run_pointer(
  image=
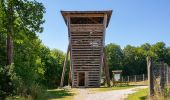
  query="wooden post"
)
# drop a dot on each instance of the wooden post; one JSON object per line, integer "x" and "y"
{"x": 167, "y": 71}
{"x": 70, "y": 78}
{"x": 64, "y": 67}
{"x": 70, "y": 72}
{"x": 128, "y": 78}
{"x": 135, "y": 78}
{"x": 150, "y": 76}
{"x": 122, "y": 78}
{"x": 143, "y": 77}
{"x": 162, "y": 80}
{"x": 167, "y": 74}
{"x": 106, "y": 71}
{"x": 106, "y": 68}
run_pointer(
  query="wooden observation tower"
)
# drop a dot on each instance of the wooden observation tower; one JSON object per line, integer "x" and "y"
{"x": 86, "y": 31}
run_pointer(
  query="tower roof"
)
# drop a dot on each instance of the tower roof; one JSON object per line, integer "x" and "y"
{"x": 87, "y": 14}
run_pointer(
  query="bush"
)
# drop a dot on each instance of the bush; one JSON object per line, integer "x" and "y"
{"x": 32, "y": 92}
{"x": 7, "y": 81}
{"x": 167, "y": 92}
{"x": 37, "y": 92}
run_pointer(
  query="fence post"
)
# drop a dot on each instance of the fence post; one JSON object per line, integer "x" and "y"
{"x": 167, "y": 73}
{"x": 150, "y": 76}
{"x": 122, "y": 78}
{"x": 162, "y": 80}
{"x": 128, "y": 78}
{"x": 143, "y": 77}
{"x": 135, "y": 78}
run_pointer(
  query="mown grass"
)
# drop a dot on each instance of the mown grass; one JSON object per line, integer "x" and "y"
{"x": 52, "y": 94}
{"x": 141, "y": 94}
{"x": 60, "y": 94}
{"x": 103, "y": 89}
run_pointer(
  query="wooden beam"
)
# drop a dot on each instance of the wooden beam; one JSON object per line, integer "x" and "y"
{"x": 68, "y": 50}
{"x": 104, "y": 61}
{"x": 70, "y": 77}
{"x": 64, "y": 67}
{"x": 93, "y": 20}
{"x": 84, "y": 15}
{"x": 106, "y": 69}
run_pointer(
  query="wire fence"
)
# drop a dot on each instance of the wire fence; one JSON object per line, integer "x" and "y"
{"x": 158, "y": 78}
{"x": 131, "y": 80}
{"x": 134, "y": 78}
{"x": 161, "y": 76}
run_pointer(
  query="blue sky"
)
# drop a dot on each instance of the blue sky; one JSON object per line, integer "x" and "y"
{"x": 132, "y": 22}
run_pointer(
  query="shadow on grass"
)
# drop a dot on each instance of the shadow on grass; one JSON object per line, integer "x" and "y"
{"x": 143, "y": 98}
{"x": 55, "y": 94}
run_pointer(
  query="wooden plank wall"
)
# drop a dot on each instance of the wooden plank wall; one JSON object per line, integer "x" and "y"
{"x": 86, "y": 47}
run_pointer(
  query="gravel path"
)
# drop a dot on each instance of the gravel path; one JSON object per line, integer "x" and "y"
{"x": 84, "y": 94}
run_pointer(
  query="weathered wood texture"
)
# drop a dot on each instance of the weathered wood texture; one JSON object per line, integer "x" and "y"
{"x": 64, "y": 67}
{"x": 150, "y": 76}
{"x": 86, "y": 53}
{"x": 86, "y": 42}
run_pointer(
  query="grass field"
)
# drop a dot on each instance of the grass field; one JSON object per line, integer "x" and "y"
{"x": 141, "y": 94}
{"x": 53, "y": 94}
{"x": 69, "y": 94}
{"x": 61, "y": 94}
{"x": 103, "y": 89}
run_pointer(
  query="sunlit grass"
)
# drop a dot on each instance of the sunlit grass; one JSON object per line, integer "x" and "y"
{"x": 103, "y": 89}
{"x": 141, "y": 94}
{"x": 60, "y": 94}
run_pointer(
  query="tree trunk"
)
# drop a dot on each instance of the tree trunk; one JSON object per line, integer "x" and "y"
{"x": 9, "y": 50}
{"x": 10, "y": 29}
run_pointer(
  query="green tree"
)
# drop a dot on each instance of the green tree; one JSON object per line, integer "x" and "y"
{"x": 20, "y": 21}
{"x": 54, "y": 64}
{"x": 20, "y": 16}
{"x": 159, "y": 51}
{"x": 114, "y": 56}
{"x": 134, "y": 60}
{"x": 168, "y": 56}
{"x": 2, "y": 38}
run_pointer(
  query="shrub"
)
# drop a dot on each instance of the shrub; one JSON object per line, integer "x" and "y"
{"x": 167, "y": 92}
{"x": 7, "y": 81}
{"x": 37, "y": 92}
{"x": 32, "y": 92}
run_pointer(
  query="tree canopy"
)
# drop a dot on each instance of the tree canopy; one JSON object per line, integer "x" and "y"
{"x": 132, "y": 60}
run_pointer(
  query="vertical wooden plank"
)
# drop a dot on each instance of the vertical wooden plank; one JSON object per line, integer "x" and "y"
{"x": 150, "y": 76}
{"x": 64, "y": 67}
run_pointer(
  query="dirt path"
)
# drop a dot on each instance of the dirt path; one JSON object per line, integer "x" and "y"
{"x": 85, "y": 94}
